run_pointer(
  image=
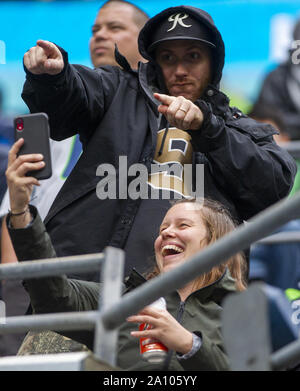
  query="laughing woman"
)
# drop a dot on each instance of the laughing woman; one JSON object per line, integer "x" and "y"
{"x": 190, "y": 327}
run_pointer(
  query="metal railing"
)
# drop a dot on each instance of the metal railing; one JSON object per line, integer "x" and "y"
{"x": 51, "y": 267}
{"x": 114, "y": 309}
{"x": 293, "y": 148}
{"x": 281, "y": 237}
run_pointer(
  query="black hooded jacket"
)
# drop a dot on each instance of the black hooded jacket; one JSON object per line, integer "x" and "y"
{"x": 115, "y": 114}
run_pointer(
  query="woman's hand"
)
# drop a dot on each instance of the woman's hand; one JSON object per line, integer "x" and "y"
{"x": 19, "y": 185}
{"x": 165, "y": 329}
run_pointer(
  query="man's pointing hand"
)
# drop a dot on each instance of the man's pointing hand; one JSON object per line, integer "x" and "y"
{"x": 45, "y": 57}
{"x": 180, "y": 112}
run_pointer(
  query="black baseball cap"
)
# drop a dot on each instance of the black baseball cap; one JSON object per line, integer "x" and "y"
{"x": 181, "y": 26}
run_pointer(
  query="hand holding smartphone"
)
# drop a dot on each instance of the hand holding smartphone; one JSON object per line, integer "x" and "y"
{"x": 34, "y": 129}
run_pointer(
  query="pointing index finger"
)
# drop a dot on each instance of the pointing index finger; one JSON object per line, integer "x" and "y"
{"x": 49, "y": 47}
{"x": 164, "y": 99}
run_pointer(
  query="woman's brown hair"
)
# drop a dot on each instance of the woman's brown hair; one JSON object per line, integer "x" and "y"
{"x": 218, "y": 222}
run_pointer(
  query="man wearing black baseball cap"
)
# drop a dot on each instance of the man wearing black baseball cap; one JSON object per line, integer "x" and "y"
{"x": 170, "y": 111}
{"x": 182, "y": 47}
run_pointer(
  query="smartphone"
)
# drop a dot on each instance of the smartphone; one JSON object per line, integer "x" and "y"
{"x": 34, "y": 129}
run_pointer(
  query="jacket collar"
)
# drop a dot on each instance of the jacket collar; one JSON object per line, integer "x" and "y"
{"x": 217, "y": 99}
{"x": 122, "y": 61}
{"x": 216, "y": 290}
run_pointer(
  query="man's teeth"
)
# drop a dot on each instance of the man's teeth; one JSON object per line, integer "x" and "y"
{"x": 171, "y": 249}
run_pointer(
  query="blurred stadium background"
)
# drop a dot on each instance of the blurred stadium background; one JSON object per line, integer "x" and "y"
{"x": 257, "y": 35}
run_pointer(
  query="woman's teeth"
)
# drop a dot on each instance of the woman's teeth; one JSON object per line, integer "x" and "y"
{"x": 171, "y": 249}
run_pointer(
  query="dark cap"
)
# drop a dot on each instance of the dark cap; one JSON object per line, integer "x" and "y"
{"x": 181, "y": 26}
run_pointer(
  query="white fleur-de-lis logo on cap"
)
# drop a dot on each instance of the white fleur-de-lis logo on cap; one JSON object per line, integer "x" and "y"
{"x": 178, "y": 19}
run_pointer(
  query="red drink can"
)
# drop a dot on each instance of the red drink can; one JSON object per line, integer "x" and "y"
{"x": 151, "y": 349}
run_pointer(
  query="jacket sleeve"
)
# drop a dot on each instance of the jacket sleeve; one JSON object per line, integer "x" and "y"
{"x": 244, "y": 159}
{"x": 75, "y": 99}
{"x": 50, "y": 294}
{"x": 210, "y": 357}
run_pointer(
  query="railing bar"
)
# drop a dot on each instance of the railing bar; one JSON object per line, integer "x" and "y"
{"x": 112, "y": 275}
{"x": 286, "y": 357}
{"x": 51, "y": 267}
{"x": 293, "y": 148}
{"x": 59, "y": 322}
{"x": 280, "y": 238}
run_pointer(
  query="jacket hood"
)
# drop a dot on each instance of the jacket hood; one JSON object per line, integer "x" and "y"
{"x": 146, "y": 35}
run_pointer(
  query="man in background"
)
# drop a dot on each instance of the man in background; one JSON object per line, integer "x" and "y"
{"x": 117, "y": 22}
{"x": 281, "y": 88}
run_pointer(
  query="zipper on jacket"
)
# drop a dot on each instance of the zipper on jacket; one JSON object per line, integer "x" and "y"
{"x": 180, "y": 311}
{"x": 170, "y": 352}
